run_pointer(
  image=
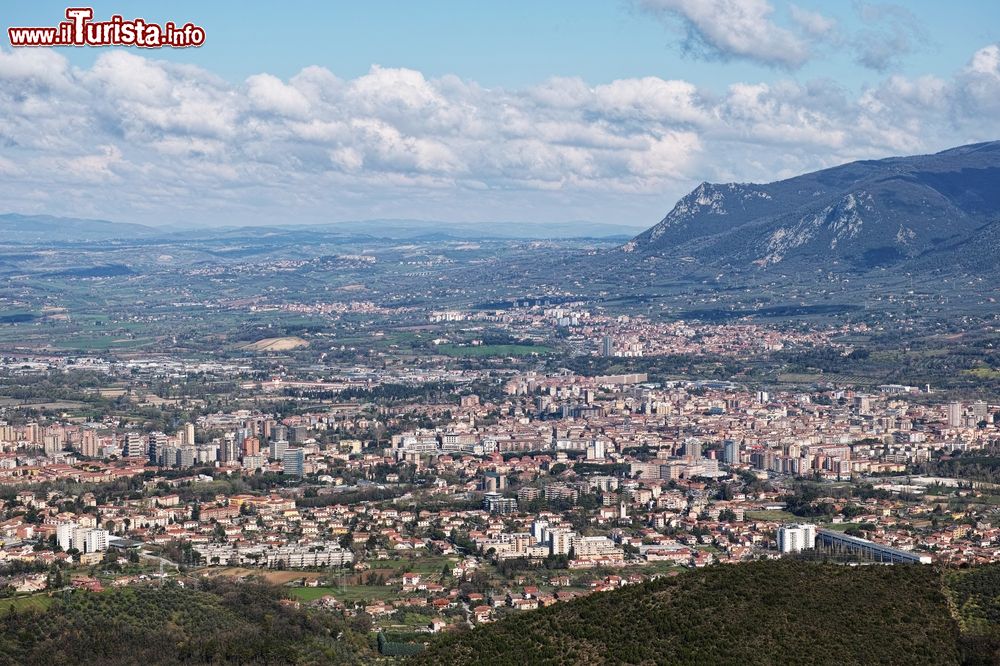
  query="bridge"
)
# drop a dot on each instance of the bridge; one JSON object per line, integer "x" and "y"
{"x": 836, "y": 542}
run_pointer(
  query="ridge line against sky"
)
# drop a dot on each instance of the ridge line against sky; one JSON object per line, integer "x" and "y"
{"x": 745, "y": 90}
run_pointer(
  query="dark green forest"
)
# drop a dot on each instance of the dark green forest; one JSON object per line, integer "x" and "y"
{"x": 758, "y": 613}
{"x": 221, "y": 622}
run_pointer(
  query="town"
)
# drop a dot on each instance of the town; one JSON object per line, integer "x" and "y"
{"x": 455, "y": 508}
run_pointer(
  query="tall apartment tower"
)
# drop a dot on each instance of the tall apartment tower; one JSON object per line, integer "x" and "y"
{"x": 954, "y": 414}
{"x": 293, "y": 462}
{"x": 133, "y": 446}
{"x": 89, "y": 443}
{"x": 796, "y": 538}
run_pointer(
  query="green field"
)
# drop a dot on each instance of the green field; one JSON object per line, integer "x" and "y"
{"x": 422, "y": 565}
{"x": 99, "y": 343}
{"x": 771, "y": 515}
{"x": 483, "y": 351}
{"x": 983, "y": 373}
{"x": 347, "y": 593}
{"x": 34, "y": 602}
{"x": 839, "y": 527}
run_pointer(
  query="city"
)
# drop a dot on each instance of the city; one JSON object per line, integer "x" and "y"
{"x": 643, "y": 332}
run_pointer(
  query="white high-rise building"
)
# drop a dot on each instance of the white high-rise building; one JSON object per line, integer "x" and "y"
{"x": 796, "y": 538}
{"x": 96, "y": 540}
{"x": 539, "y": 530}
{"x": 64, "y": 535}
{"x": 134, "y": 447}
{"x": 954, "y": 414}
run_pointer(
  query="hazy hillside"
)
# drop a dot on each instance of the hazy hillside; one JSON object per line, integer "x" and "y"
{"x": 924, "y": 210}
{"x": 47, "y": 228}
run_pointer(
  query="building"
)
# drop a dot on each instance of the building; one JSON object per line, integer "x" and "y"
{"x": 64, "y": 535}
{"x": 293, "y": 461}
{"x": 731, "y": 452}
{"x": 84, "y": 539}
{"x": 494, "y": 481}
{"x": 229, "y": 451}
{"x": 89, "y": 443}
{"x": 95, "y": 541}
{"x": 497, "y": 503}
{"x": 278, "y": 448}
{"x": 133, "y": 446}
{"x": 561, "y": 541}
{"x": 608, "y": 346}
{"x": 796, "y": 538}
{"x": 186, "y": 456}
{"x": 954, "y": 414}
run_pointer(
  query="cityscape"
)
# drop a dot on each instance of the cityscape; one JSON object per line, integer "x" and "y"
{"x": 326, "y": 366}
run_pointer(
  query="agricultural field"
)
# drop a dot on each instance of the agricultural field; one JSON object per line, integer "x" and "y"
{"x": 483, "y": 351}
{"x": 346, "y": 593}
{"x": 21, "y": 603}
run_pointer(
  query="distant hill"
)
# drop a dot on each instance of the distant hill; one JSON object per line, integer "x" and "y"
{"x": 46, "y": 228}
{"x": 49, "y": 229}
{"x": 923, "y": 211}
{"x": 775, "y": 612}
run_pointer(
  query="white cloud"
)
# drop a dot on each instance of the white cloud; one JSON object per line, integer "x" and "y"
{"x": 272, "y": 95}
{"x": 986, "y": 61}
{"x": 734, "y": 28}
{"x": 812, "y": 23}
{"x": 891, "y": 33}
{"x": 136, "y": 138}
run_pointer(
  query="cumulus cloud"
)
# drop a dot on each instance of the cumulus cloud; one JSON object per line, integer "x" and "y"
{"x": 812, "y": 23}
{"x": 135, "y": 138}
{"x": 734, "y": 29}
{"x": 749, "y": 30}
{"x": 891, "y": 32}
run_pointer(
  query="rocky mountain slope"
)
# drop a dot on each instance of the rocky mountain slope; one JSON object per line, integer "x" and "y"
{"x": 924, "y": 210}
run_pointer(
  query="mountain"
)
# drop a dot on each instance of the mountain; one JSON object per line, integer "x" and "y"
{"x": 432, "y": 230}
{"x": 47, "y": 228}
{"x": 924, "y": 210}
{"x": 767, "y": 612}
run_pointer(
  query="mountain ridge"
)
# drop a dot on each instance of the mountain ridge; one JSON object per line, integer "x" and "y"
{"x": 863, "y": 214}
{"x": 34, "y": 228}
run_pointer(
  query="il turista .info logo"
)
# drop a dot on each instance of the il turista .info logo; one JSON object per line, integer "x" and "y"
{"x": 80, "y": 29}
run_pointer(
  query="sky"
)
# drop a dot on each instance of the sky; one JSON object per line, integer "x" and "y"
{"x": 479, "y": 112}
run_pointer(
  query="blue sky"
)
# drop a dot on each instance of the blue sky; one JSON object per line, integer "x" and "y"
{"x": 474, "y": 111}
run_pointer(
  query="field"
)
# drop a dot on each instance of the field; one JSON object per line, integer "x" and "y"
{"x": 483, "y": 351}
{"x": 423, "y": 565}
{"x": 35, "y": 602}
{"x": 983, "y": 373}
{"x": 271, "y": 576}
{"x": 346, "y": 593}
{"x": 779, "y": 516}
{"x": 276, "y": 344}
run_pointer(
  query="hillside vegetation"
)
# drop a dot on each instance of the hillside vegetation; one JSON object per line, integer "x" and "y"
{"x": 221, "y": 622}
{"x": 758, "y": 613}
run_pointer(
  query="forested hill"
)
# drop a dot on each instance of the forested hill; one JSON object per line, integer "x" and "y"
{"x": 759, "y": 613}
{"x": 221, "y": 622}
